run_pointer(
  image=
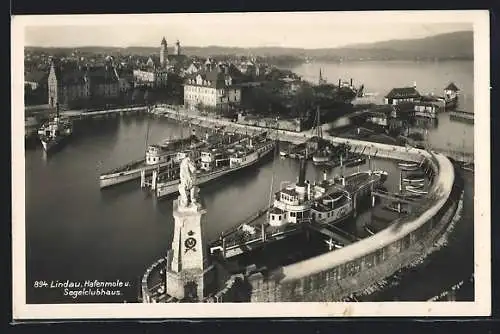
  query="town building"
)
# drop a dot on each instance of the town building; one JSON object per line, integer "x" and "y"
{"x": 154, "y": 73}
{"x": 194, "y": 67}
{"x": 125, "y": 78}
{"x": 426, "y": 109}
{"x": 213, "y": 87}
{"x": 403, "y": 94}
{"x": 36, "y": 79}
{"x": 69, "y": 85}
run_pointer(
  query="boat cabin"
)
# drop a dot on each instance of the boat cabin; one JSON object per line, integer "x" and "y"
{"x": 156, "y": 154}
{"x": 332, "y": 207}
{"x": 290, "y": 205}
{"x": 193, "y": 154}
{"x": 213, "y": 158}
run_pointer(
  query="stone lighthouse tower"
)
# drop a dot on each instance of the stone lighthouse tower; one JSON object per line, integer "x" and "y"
{"x": 189, "y": 274}
{"x": 163, "y": 52}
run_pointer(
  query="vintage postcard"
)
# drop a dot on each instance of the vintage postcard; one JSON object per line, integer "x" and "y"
{"x": 317, "y": 164}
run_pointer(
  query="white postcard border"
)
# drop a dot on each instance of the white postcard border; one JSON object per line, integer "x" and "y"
{"x": 482, "y": 215}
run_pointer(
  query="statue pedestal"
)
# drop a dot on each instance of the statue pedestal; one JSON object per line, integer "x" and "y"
{"x": 189, "y": 272}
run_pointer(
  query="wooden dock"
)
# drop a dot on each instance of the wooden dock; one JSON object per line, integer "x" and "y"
{"x": 462, "y": 116}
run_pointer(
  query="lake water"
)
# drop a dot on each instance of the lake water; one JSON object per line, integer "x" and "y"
{"x": 75, "y": 231}
{"x": 380, "y": 77}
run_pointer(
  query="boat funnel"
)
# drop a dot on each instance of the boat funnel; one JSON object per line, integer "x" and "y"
{"x": 324, "y": 175}
{"x": 302, "y": 173}
{"x": 351, "y": 82}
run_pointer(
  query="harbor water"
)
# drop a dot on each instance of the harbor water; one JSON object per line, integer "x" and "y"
{"x": 77, "y": 232}
{"x": 379, "y": 77}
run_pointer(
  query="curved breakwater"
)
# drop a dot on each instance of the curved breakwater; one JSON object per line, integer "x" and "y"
{"x": 356, "y": 267}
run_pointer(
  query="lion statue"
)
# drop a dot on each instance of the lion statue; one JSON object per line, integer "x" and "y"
{"x": 187, "y": 189}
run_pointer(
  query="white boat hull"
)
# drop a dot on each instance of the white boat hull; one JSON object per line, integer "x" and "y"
{"x": 107, "y": 180}
{"x": 320, "y": 160}
{"x": 171, "y": 187}
{"x": 414, "y": 181}
{"x": 119, "y": 178}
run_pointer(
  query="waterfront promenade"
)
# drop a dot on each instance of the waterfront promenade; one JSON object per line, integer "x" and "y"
{"x": 193, "y": 117}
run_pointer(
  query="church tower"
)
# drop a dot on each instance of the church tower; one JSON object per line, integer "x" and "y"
{"x": 177, "y": 51}
{"x": 163, "y": 52}
{"x": 189, "y": 274}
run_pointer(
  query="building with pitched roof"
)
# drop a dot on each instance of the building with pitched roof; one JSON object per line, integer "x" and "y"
{"x": 36, "y": 79}
{"x": 451, "y": 92}
{"x": 154, "y": 73}
{"x": 67, "y": 84}
{"x": 403, "y": 94}
{"x": 213, "y": 87}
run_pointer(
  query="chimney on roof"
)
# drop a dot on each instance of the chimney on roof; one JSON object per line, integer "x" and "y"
{"x": 414, "y": 84}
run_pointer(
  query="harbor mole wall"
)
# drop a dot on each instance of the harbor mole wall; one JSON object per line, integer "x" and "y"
{"x": 337, "y": 274}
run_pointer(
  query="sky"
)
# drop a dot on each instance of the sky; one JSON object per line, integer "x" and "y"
{"x": 300, "y": 30}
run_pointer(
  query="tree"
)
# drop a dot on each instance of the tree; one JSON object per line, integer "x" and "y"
{"x": 135, "y": 96}
{"x": 147, "y": 97}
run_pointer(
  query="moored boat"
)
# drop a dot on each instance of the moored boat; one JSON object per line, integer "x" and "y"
{"x": 408, "y": 166}
{"x": 416, "y": 191}
{"x": 416, "y": 186}
{"x": 301, "y": 205}
{"x": 414, "y": 178}
{"x": 55, "y": 132}
{"x": 163, "y": 155}
{"x": 215, "y": 163}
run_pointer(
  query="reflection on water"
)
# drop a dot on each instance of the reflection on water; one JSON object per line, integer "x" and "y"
{"x": 76, "y": 231}
{"x": 430, "y": 77}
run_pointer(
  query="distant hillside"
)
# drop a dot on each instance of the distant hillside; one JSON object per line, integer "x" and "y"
{"x": 456, "y": 45}
{"x": 451, "y": 45}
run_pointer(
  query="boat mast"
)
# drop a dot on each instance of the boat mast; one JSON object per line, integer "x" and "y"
{"x": 319, "y": 131}
{"x": 147, "y": 136}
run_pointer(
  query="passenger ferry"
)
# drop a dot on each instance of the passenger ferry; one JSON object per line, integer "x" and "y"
{"x": 299, "y": 205}
{"x": 217, "y": 162}
{"x": 163, "y": 155}
{"x": 55, "y": 131}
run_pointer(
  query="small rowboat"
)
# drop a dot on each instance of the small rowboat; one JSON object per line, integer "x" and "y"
{"x": 413, "y": 181}
{"x": 320, "y": 159}
{"x": 408, "y": 165}
{"x": 416, "y": 191}
{"x": 417, "y": 186}
{"x": 468, "y": 167}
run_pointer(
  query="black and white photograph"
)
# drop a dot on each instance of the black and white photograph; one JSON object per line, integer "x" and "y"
{"x": 270, "y": 164}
